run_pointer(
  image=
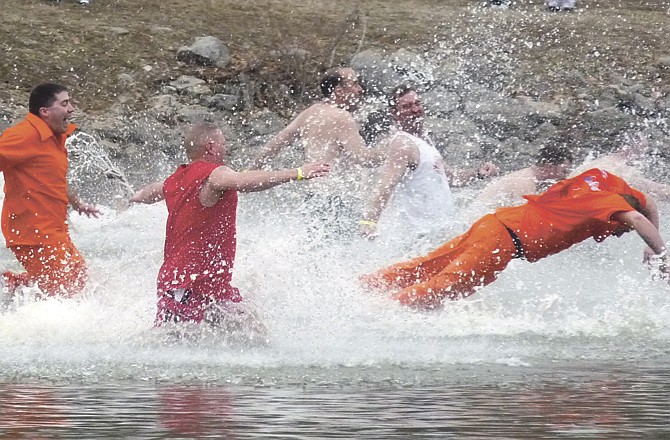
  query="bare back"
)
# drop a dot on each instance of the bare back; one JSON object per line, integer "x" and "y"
{"x": 506, "y": 191}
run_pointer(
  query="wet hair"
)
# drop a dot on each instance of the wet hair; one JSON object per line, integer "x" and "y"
{"x": 554, "y": 154}
{"x": 398, "y": 92}
{"x": 197, "y": 137}
{"x": 634, "y": 202}
{"x": 376, "y": 126}
{"x": 330, "y": 80}
{"x": 44, "y": 95}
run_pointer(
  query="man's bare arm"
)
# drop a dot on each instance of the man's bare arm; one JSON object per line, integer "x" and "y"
{"x": 644, "y": 228}
{"x": 224, "y": 179}
{"x": 462, "y": 177}
{"x": 149, "y": 194}
{"x": 281, "y": 140}
{"x": 402, "y": 157}
{"x": 353, "y": 145}
{"x": 81, "y": 207}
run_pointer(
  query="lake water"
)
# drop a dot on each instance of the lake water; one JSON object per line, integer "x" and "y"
{"x": 575, "y": 346}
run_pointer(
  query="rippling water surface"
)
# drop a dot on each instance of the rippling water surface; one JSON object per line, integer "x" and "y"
{"x": 574, "y": 346}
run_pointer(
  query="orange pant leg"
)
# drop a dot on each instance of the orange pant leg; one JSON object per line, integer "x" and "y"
{"x": 58, "y": 270}
{"x": 416, "y": 270}
{"x": 453, "y": 270}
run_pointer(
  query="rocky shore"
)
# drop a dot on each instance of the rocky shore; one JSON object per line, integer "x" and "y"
{"x": 485, "y": 96}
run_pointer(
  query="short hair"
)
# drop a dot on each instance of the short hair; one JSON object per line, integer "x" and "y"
{"x": 44, "y": 95}
{"x": 398, "y": 92}
{"x": 633, "y": 201}
{"x": 330, "y": 80}
{"x": 554, "y": 154}
{"x": 197, "y": 137}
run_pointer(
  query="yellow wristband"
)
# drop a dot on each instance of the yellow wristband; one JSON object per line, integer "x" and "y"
{"x": 367, "y": 223}
{"x": 300, "y": 175}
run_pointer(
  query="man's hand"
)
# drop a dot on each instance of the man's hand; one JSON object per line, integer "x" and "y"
{"x": 658, "y": 264}
{"x": 87, "y": 210}
{"x": 315, "y": 169}
{"x": 368, "y": 229}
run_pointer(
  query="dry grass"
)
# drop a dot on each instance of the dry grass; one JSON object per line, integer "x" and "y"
{"x": 78, "y": 45}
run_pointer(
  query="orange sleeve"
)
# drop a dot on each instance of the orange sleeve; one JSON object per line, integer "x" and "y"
{"x": 13, "y": 149}
{"x": 620, "y": 186}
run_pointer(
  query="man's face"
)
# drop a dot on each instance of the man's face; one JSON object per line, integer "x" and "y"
{"x": 349, "y": 91}
{"x": 57, "y": 116}
{"x": 409, "y": 110}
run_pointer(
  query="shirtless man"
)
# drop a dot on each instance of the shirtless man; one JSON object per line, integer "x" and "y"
{"x": 414, "y": 180}
{"x": 552, "y": 164}
{"x": 328, "y": 133}
{"x": 327, "y": 129}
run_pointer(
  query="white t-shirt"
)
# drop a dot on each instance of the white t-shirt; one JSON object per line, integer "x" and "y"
{"x": 422, "y": 201}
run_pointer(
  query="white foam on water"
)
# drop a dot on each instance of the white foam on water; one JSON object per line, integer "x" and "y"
{"x": 593, "y": 301}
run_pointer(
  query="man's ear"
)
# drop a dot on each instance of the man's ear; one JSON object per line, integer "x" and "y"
{"x": 208, "y": 147}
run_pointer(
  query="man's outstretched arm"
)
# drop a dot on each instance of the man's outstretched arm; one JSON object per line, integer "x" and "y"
{"x": 282, "y": 139}
{"x": 81, "y": 207}
{"x": 225, "y": 179}
{"x": 353, "y": 145}
{"x": 644, "y": 228}
{"x": 151, "y": 193}
{"x": 401, "y": 158}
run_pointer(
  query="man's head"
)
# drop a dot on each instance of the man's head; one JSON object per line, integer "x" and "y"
{"x": 205, "y": 141}
{"x": 406, "y": 109}
{"x": 340, "y": 84}
{"x": 51, "y": 102}
{"x": 553, "y": 162}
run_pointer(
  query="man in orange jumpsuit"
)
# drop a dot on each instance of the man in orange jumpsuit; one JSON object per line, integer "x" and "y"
{"x": 34, "y": 161}
{"x": 594, "y": 204}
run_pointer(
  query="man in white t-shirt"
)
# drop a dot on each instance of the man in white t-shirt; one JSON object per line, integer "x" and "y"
{"x": 413, "y": 192}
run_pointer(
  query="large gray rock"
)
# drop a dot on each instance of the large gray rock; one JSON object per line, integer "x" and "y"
{"x": 498, "y": 115}
{"x": 206, "y": 51}
{"x": 164, "y": 107}
{"x": 380, "y": 73}
{"x": 412, "y": 67}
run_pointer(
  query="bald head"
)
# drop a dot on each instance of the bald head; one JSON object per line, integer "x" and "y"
{"x": 197, "y": 138}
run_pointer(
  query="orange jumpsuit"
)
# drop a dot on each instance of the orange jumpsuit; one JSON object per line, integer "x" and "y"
{"x": 34, "y": 214}
{"x": 569, "y": 212}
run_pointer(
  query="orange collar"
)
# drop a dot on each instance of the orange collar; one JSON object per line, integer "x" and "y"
{"x": 44, "y": 130}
